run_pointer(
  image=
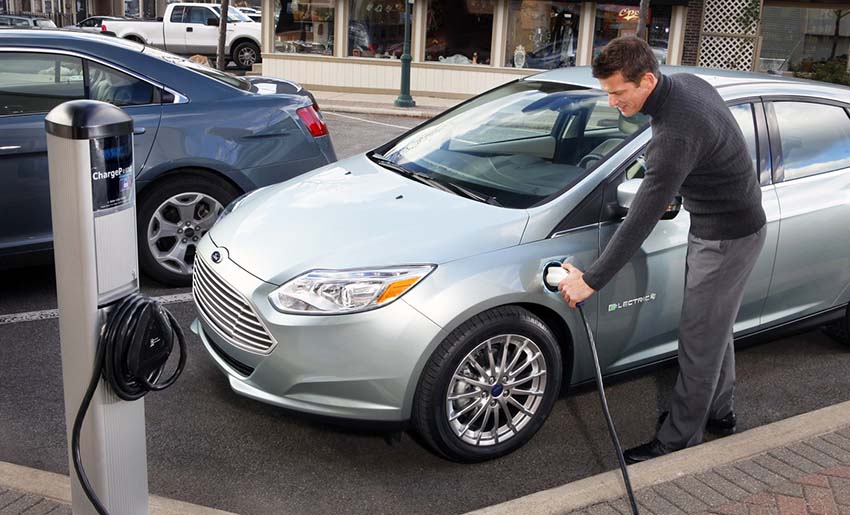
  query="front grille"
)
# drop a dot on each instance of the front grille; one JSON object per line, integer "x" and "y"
{"x": 228, "y": 311}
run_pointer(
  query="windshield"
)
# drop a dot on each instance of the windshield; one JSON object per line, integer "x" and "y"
{"x": 233, "y": 14}
{"x": 520, "y": 144}
{"x": 230, "y": 80}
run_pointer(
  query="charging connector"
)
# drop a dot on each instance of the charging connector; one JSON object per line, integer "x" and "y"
{"x": 132, "y": 351}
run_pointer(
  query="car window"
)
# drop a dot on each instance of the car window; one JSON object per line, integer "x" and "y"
{"x": 520, "y": 144}
{"x": 91, "y": 22}
{"x": 48, "y": 24}
{"x": 177, "y": 14}
{"x": 815, "y": 138}
{"x": 745, "y": 117}
{"x": 36, "y": 83}
{"x": 200, "y": 15}
{"x": 5, "y": 22}
{"x": 117, "y": 88}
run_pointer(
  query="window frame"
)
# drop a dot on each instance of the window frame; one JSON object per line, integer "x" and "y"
{"x": 778, "y": 169}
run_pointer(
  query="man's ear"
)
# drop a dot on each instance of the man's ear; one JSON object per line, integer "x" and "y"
{"x": 649, "y": 80}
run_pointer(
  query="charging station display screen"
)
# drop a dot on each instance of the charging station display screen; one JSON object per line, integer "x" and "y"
{"x": 112, "y": 178}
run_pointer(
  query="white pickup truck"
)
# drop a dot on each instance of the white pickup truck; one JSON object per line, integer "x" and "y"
{"x": 190, "y": 28}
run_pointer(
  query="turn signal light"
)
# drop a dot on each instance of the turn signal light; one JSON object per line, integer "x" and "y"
{"x": 313, "y": 122}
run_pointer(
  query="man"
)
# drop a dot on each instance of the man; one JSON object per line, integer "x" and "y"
{"x": 697, "y": 150}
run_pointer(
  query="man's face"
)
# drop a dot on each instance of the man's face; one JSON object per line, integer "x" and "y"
{"x": 625, "y": 95}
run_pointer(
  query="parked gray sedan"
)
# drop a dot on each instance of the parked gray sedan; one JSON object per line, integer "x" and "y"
{"x": 201, "y": 139}
{"x": 406, "y": 283}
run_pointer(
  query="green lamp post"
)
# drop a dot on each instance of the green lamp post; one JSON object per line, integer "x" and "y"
{"x": 404, "y": 99}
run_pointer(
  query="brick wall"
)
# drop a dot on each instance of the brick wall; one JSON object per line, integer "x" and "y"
{"x": 693, "y": 27}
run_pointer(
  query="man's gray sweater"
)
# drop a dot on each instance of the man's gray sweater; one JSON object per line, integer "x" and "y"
{"x": 698, "y": 151}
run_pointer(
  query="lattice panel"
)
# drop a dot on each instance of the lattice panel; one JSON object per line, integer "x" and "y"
{"x": 732, "y": 53}
{"x": 725, "y": 17}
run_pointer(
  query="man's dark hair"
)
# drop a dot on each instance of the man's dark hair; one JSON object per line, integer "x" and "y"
{"x": 629, "y": 55}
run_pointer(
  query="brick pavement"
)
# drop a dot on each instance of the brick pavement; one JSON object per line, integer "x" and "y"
{"x": 807, "y": 477}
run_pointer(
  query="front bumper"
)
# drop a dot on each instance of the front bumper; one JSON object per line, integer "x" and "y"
{"x": 361, "y": 366}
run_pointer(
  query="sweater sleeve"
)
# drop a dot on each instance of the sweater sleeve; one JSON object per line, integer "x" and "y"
{"x": 669, "y": 161}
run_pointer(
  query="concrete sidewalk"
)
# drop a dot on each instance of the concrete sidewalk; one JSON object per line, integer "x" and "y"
{"x": 800, "y": 465}
{"x": 367, "y": 103}
{"x": 795, "y": 466}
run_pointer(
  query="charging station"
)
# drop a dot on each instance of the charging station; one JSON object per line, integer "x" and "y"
{"x": 92, "y": 198}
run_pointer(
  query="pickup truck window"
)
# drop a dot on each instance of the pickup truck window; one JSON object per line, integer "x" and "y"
{"x": 199, "y": 15}
{"x": 177, "y": 14}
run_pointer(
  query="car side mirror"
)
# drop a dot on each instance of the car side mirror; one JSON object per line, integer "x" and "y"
{"x": 626, "y": 195}
{"x": 212, "y": 22}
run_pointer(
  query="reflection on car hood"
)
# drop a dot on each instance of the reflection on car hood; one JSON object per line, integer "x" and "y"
{"x": 356, "y": 214}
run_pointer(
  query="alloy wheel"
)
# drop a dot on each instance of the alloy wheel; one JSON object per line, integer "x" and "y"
{"x": 177, "y": 226}
{"x": 496, "y": 390}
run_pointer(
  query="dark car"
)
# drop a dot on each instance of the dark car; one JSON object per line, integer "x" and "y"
{"x": 202, "y": 138}
{"x": 7, "y": 20}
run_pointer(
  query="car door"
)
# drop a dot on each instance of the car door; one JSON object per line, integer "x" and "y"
{"x": 175, "y": 30}
{"x": 812, "y": 174}
{"x": 200, "y": 37}
{"x": 639, "y": 310}
{"x": 31, "y": 84}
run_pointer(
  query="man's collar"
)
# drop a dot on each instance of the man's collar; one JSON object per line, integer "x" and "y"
{"x": 656, "y": 99}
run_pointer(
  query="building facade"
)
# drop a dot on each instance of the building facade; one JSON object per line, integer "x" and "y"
{"x": 463, "y": 47}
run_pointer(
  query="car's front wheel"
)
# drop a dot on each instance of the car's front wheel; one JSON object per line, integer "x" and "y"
{"x": 172, "y": 217}
{"x": 489, "y": 386}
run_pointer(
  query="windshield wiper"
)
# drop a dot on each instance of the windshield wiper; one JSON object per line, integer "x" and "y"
{"x": 444, "y": 185}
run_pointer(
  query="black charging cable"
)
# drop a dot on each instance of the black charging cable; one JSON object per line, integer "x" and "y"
{"x": 553, "y": 273}
{"x": 132, "y": 351}
{"x": 602, "y": 399}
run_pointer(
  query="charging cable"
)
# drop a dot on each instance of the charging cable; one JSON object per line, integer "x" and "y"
{"x": 554, "y": 274}
{"x": 132, "y": 351}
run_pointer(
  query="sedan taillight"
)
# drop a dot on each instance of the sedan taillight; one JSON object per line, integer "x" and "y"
{"x": 311, "y": 119}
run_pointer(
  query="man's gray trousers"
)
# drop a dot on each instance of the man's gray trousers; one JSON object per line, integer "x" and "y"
{"x": 715, "y": 275}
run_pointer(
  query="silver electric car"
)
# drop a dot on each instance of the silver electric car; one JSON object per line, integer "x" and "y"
{"x": 406, "y": 283}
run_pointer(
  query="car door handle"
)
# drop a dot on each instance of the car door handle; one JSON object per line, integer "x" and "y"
{"x": 139, "y": 131}
{"x": 189, "y": 29}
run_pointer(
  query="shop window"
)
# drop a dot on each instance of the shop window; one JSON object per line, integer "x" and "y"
{"x": 614, "y": 21}
{"x": 376, "y": 28}
{"x": 304, "y": 27}
{"x": 131, "y": 8}
{"x": 459, "y": 31}
{"x": 542, "y": 34}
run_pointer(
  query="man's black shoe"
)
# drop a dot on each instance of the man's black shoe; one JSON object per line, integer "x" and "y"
{"x": 646, "y": 451}
{"x": 722, "y": 426}
{"x": 716, "y": 426}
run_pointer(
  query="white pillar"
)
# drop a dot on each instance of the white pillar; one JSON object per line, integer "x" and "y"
{"x": 500, "y": 33}
{"x": 419, "y": 30}
{"x": 587, "y": 24}
{"x": 676, "y": 43}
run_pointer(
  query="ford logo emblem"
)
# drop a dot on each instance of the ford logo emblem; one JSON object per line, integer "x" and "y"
{"x": 216, "y": 257}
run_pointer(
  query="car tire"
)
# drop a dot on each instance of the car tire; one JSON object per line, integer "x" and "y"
{"x": 458, "y": 419}
{"x": 245, "y": 54}
{"x": 840, "y": 329}
{"x": 189, "y": 203}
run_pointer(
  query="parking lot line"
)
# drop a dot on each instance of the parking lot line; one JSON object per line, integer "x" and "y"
{"x": 47, "y": 314}
{"x": 367, "y": 121}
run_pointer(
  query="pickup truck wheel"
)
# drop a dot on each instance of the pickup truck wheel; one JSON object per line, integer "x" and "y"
{"x": 245, "y": 54}
{"x": 173, "y": 216}
{"x": 135, "y": 39}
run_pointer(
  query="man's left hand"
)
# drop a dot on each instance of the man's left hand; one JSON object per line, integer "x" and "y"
{"x": 573, "y": 288}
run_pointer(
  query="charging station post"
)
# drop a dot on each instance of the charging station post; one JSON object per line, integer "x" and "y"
{"x": 92, "y": 199}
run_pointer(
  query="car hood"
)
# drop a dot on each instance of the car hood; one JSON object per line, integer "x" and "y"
{"x": 355, "y": 214}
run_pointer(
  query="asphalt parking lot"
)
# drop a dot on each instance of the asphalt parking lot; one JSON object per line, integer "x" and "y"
{"x": 208, "y": 446}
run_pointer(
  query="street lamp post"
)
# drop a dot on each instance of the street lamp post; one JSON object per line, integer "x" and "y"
{"x": 404, "y": 99}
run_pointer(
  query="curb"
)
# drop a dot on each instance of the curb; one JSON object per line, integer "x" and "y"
{"x": 57, "y": 488}
{"x": 609, "y": 486}
{"x": 389, "y": 111}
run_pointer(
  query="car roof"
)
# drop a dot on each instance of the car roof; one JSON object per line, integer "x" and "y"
{"x": 58, "y": 38}
{"x": 582, "y": 76}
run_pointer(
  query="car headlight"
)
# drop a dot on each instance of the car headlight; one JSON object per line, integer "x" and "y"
{"x": 346, "y": 291}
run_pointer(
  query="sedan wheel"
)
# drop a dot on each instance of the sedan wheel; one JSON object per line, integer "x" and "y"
{"x": 173, "y": 218}
{"x": 489, "y": 386}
